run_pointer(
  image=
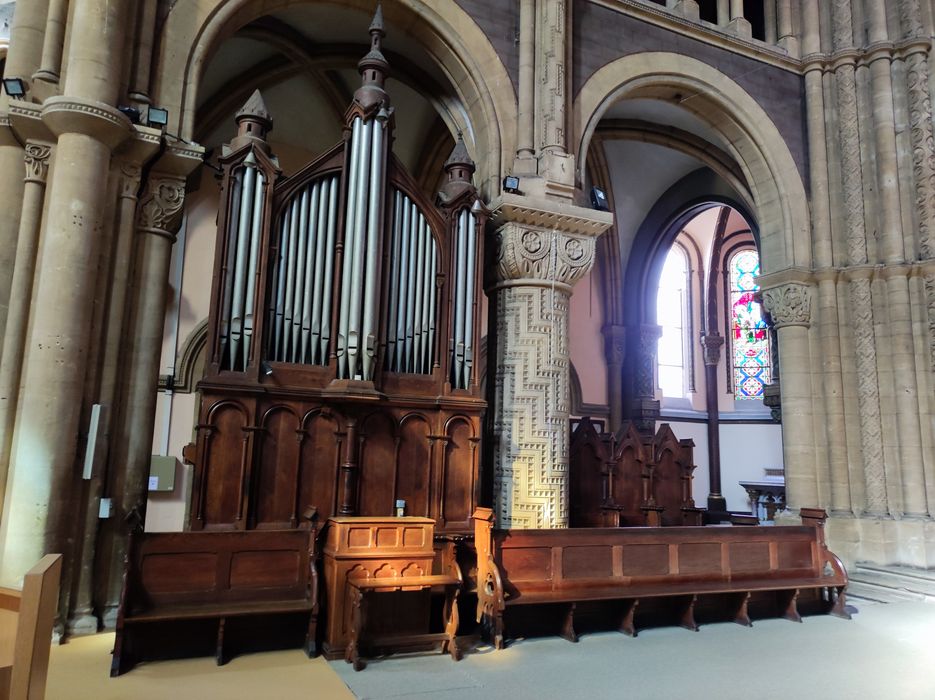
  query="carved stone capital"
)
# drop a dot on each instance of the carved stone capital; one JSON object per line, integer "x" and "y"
{"x": 130, "y": 174}
{"x": 533, "y": 255}
{"x": 712, "y": 343}
{"x": 36, "y": 159}
{"x": 161, "y": 206}
{"x": 789, "y": 305}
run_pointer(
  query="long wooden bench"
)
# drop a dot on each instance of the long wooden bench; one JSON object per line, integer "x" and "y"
{"x": 681, "y": 565}
{"x": 213, "y": 577}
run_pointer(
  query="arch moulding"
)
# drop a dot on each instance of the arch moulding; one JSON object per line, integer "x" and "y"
{"x": 195, "y": 28}
{"x": 752, "y": 139}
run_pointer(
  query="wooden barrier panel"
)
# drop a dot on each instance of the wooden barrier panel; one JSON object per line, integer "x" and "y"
{"x": 26, "y": 619}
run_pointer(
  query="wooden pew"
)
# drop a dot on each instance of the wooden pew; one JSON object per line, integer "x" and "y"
{"x": 26, "y": 619}
{"x": 676, "y": 565}
{"x": 214, "y": 576}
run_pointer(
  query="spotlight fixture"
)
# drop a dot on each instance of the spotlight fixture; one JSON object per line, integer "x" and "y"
{"x": 131, "y": 113}
{"x": 266, "y": 369}
{"x": 157, "y": 117}
{"x": 511, "y": 184}
{"x": 599, "y": 199}
{"x": 15, "y": 87}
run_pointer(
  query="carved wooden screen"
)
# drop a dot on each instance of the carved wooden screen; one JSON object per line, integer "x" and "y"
{"x": 362, "y": 392}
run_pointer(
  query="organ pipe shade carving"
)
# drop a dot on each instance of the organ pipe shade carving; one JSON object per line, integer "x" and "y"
{"x": 302, "y": 275}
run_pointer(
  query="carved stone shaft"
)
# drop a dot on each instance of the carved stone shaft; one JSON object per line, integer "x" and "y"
{"x": 534, "y": 270}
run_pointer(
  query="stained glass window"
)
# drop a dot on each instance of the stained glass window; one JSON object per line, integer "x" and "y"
{"x": 749, "y": 336}
{"x": 671, "y": 314}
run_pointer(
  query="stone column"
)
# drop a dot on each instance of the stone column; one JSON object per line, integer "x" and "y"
{"x": 615, "y": 353}
{"x": 644, "y": 409}
{"x": 53, "y": 43}
{"x": 553, "y": 48}
{"x": 534, "y": 269}
{"x": 723, "y": 12}
{"x": 525, "y": 129}
{"x": 784, "y": 27}
{"x": 41, "y": 495}
{"x": 21, "y": 61}
{"x": 11, "y": 364}
{"x": 712, "y": 344}
{"x": 770, "y": 30}
{"x": 738, "y": 23}
{"x": 143, "y": 47}
{"x": 160, "y": 215}
{"x": 868, "y": 390}
{"x": 789, "y": 305}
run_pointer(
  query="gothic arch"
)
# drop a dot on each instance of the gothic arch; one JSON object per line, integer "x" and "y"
{"x": 754, "y": 141}
{"x": 475, "y": 71}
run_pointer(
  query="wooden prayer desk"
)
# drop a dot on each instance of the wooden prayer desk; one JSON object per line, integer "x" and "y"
{"x": 367, "y": 557}
{"x": 360, "y": 590}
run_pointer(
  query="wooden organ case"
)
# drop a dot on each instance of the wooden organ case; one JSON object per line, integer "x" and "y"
{"x": 343, "y": 332}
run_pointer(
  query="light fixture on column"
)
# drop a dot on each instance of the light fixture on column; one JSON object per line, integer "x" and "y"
{"x": 511, "y": 184}
{"x": 157, "y": 117}
{"x": 599, "y": 199}
{"x": 15, "y": 87}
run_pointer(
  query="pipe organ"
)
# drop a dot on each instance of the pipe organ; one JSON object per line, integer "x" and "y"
{"x": 342, "y": 350}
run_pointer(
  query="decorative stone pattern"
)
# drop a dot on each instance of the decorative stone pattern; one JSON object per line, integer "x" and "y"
{"x": 161, "y": 207}
{"x": 534, "y": 270}
{"x": 36, "y": 158}
{"x": 789, "y": 305}
{"x": 532, "y": 396}
{"x": 646, "y": 361}
{"x": 712, "y": 343}
{"x": 551, "y": 76}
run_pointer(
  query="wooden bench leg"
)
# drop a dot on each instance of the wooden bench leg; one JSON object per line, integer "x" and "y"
{"x": 358, "y": 613}
{"x": 121, "y": 662}
{"x": 741, "y": 613}
{"x": 219, "y": 657}
{"x": 568, "y": 626}
{"x": 787, "y": 605}
{"x": 629, "y": 611}
{"x": 311, "y": 637}
{"x": 687, "y": 613}
{"x": 451, "y": 623}
{"x": 839, "y": 609}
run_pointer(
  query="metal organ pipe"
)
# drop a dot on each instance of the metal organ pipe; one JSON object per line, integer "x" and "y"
{"x": 372, "y": 269}
{"x": 245, "y": 218}
{"x": 329, "y": 268}
{"x": 299, "y": 289}
{"x": 352, "y": 296}
{"x": 319, "y": 253}
{"x": 307, "y": 291}
{"x": 392, "y": 319}
{"x": 349, "y": 229}
{"x": 404, "y": 325}
{"x": 469, "y": 299}
{"x": 457, "y": 361}
{"x": 256, "y": 232}
{"x": 228, "y": 269}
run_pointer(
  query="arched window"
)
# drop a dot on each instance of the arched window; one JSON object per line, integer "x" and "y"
{"x": 750, "y": 354}
{"x": 672, "y": 315}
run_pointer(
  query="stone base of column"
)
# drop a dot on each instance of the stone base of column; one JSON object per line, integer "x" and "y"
{"x": 717, "y": 505}
{"x": 645, "y": 413}
{"x": 790, "y": 44}
{"x": 741, "y": 27}
{"x": 82, "y": 624}
{"x": 688, "y": 8}
{"x": 883, "y": 541}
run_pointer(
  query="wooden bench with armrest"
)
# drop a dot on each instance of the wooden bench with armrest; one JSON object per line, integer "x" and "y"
{"x": 215, "y": 576}
{"x": 26, "y": 620}
{"x": 677, "y": 564}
